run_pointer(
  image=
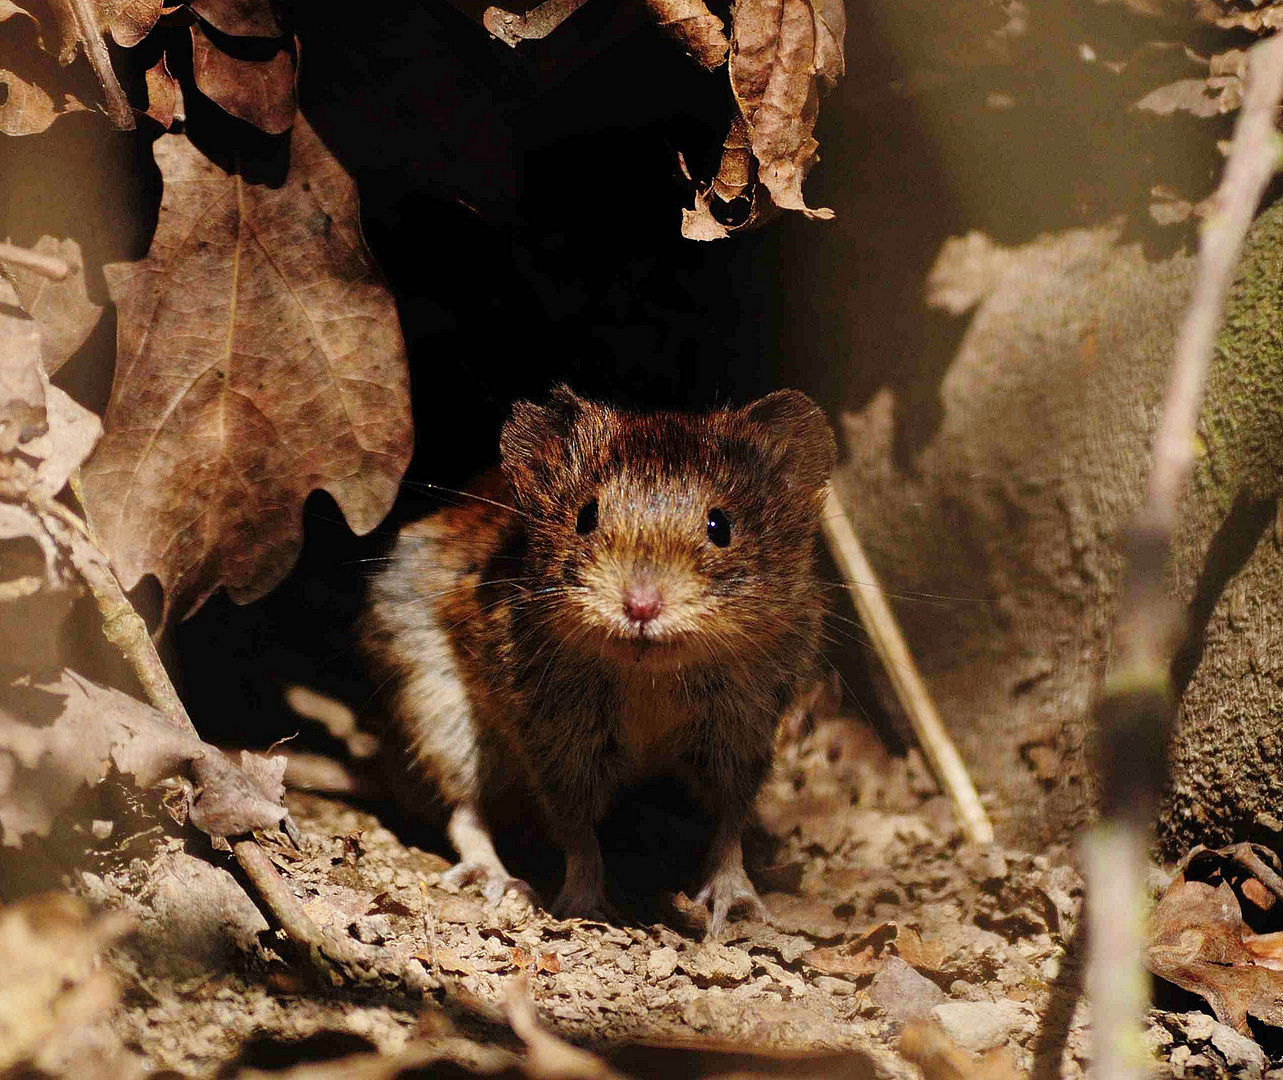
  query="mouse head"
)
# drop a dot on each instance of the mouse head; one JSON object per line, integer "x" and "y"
{"x": 658, "y": 529}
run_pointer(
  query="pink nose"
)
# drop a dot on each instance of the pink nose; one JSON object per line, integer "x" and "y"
{"x": 642, "y": 602}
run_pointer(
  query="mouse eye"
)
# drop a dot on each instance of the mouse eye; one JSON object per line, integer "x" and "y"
{"x": 719, "y": 527}
{"x": 587, "y": 519}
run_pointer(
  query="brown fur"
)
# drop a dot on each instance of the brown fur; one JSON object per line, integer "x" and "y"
{"x": 515, "y": 660}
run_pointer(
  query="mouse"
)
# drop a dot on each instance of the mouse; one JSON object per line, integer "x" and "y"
{"x": 628, "y": 595}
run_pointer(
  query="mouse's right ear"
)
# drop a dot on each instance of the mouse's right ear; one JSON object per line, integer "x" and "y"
{"x": 533, "y": 442}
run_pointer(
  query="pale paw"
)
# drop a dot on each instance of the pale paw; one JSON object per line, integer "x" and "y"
{"x": 728, "y": 889}
{"x": 494, "y": 884}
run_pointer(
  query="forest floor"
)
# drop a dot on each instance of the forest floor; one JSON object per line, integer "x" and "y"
{"x": 882, "y": 917}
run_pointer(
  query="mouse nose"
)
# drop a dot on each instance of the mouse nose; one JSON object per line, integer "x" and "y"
{"x": 642, "y": 601}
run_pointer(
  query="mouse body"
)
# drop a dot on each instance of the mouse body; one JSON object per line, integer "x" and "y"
{"x": 627, "y": 596}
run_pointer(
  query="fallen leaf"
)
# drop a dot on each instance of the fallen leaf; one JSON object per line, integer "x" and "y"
{"x": 1196, "y": 941}
{"x": 61, "y": 309}
{"x": 83, "y": 25}
{"x": 261, "y": 92}
{"x": 260, "y": 358}
{"x": 689, "y": 22}
{"x": 783, "y": 53}
{"x": 162, "y": 93}
{"x": 239, "y": 18}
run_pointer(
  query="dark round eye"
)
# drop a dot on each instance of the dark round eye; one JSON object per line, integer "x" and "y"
{"x": 587, "y": 519}
{"x": 719, "y": 527}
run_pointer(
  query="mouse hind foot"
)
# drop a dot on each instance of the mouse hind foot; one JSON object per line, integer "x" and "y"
{"x": 728, "y": 888}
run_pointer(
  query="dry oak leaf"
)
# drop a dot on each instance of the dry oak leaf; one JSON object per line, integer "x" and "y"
{"x": 84, "y": 24}
{"x": 26, "y": 108}
{"x": 259, "y": 358}
{"x": 260, "y": 92}
{"x": 1197, "y": 941}
{"x": 782, "y": 53}
{"x": 61, "y": 309}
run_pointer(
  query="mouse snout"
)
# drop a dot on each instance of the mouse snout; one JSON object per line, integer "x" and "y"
{"x": 642, "y": 601}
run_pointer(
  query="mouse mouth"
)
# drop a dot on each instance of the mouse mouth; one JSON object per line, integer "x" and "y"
{"x": 642, "y": 645}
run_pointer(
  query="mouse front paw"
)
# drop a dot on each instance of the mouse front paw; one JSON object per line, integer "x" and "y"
{"x": 727, "y": 889}
{"x": 495, "y": 884}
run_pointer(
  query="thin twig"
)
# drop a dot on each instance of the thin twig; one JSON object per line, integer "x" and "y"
{"x": 888, "y": 642}
{"x": 50, "y": 266}
{"x": 1135, "y": 710}
{"x": 126, "y": 629}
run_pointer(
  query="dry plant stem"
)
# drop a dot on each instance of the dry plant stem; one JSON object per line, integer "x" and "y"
{"x": 536, "y": 23}
{"x": 50, "y": 266}
{"x": 126, "y": 629}
{"x": 1135, "y": 710}
{"x": 888, "y": 642}
{"x": 118, "y": 110}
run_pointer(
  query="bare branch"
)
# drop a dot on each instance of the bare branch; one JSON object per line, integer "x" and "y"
{"x": 896, "y": 659}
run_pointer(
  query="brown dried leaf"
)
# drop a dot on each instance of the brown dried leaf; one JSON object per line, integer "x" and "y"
{"x": 784, "y": 51}
{"x": 56, "y": 736}
{"x": 82, "y": 25}
{"x": 239, "y": 18}
{"x": 234, "y": 801}
{"x": 61, "y": 309}
{"x": 260, "y": 92}
{"x": 1196, "y": 941}
{"x": 27, "y": 108}
{"x": 162, "y": 93}
{"x": 260, "y": 357}
{"x": 699, "y": 223}
{"x": 50, "y": 431}
{"x": 689, "y": 22}
{"x": 22, "y": 394}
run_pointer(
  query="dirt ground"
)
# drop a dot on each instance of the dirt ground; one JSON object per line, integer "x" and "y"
{"x": 881, "y": 916}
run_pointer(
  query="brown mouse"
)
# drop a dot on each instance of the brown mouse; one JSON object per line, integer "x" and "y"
{"x": 629, "y": 596}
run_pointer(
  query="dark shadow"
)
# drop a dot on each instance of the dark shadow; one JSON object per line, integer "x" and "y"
{"x": 1229, "y": 550}
{"x": 1065, "y": 992}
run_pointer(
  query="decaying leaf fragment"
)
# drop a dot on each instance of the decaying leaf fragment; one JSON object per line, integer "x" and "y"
{"x": 57, "y": 736}
{"x": 694, "y": 27}
{"x": 1199, "y": 941}
{"x": 783, "y": 53}
{"x": 260, "y": 358}
{"x": 62, "y": 309}
{"x": 84, "y": 25}
{"x": 261, "y": 92}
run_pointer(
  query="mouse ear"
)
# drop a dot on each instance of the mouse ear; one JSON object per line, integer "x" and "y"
{"x": 532, "y": 443}
{"x": 791, "y": 415}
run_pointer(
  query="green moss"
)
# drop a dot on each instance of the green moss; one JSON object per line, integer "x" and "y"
{"x": 1242, "y": 421}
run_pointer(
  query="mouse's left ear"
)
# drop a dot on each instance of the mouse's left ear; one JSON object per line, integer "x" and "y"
{"x": 532, "y": 443}
{"x": 811, "y": 450}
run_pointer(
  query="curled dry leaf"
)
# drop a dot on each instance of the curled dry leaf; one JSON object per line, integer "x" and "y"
{"x": 83, "y": 25}
{"x": 1259, "y": 18}
{"x": 783, "y": 53}
{"x": 1199, "y": 941}
{"x": 260, "y": 358}
{"x": 26, "y": 107}
{"x": 260, "y": 92}
{"x": 57, "y": 736}
{"x": 61, "y": 309}
{"x": 694, "y": 27}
